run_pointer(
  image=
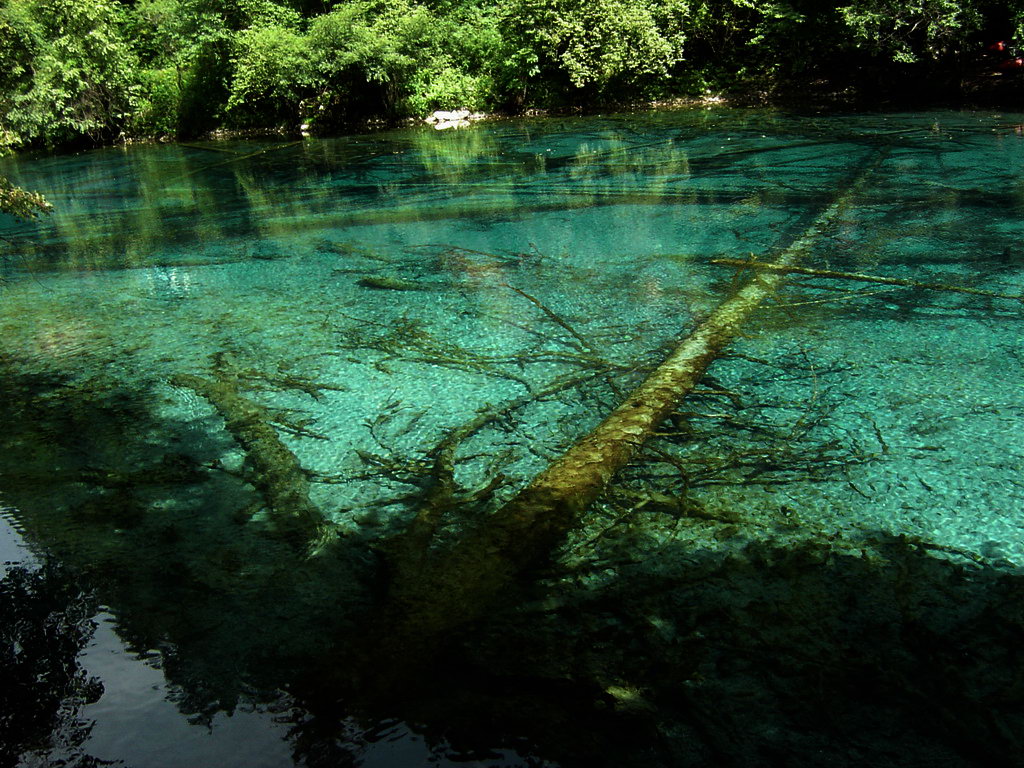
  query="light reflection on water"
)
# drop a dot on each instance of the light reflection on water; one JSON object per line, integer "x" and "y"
{"x": 135, "y": 720}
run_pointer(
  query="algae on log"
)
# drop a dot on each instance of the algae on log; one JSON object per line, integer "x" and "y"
{"x": 431, "y": 595}
{"x": 276, "y": 472}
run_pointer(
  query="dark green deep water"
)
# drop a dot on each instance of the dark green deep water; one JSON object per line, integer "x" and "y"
{"x": 817, "y": 562}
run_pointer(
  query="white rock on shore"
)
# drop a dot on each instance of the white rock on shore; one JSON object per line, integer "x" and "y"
{"x": 459, "y": 118}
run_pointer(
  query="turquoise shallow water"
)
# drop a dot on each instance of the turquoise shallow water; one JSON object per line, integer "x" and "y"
{"x": 371, "y": 293}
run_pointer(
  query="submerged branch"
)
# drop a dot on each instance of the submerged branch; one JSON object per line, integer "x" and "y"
{"x": 584, "y": 345}
{"x": 409, "y": 550}
{"x": 787, "y": 269}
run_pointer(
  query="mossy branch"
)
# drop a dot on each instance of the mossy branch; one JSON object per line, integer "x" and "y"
{"x": 789, "y": 269}
{"x": 276, "y": 472}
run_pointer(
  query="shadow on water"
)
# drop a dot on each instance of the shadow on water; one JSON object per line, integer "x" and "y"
{"x": 45, "y": 624}
{"x": 785, "y": 651}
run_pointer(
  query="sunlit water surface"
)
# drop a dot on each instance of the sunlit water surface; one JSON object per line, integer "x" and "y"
{"x": 374, "y": 292}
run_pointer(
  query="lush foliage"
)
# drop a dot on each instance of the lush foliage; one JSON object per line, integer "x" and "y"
{"x": 71, "y": 71}
{"x": 908, "y": 30}
{"x": 595, "y": 44}
{"x": 98, "y": 70}
{"x": 19, "y": 202}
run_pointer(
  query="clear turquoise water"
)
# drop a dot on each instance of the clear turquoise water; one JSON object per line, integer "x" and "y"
{"x": 865, "y": 408}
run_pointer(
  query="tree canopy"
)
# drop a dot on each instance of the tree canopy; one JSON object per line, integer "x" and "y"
{"x": 94, "y": 71}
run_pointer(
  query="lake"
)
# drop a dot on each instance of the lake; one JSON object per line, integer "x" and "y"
{"x": 214, "y": 350}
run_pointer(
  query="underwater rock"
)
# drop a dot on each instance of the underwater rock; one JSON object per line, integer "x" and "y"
{"x": 268, "y": 251}
{"x": 459, "y": 118}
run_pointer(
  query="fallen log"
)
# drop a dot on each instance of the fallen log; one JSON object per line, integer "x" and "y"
{"x": 435, "y": 592}
{"x": 276, "y": 473}
{"x": 410, "y": 548}
{"x": 790, "y": 269}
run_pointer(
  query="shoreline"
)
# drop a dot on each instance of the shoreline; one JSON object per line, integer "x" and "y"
{"x": 986, "y": 93}
{"x": 980, "y": 90}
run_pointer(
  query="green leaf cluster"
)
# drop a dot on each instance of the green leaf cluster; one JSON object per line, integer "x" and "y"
{"x": 21, "y": 203}
{"x": 910, "y": 30}
{"x": 596, "y": 44}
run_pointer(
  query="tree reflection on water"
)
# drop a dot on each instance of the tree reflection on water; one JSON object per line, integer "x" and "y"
{"x": 46, "y": 620}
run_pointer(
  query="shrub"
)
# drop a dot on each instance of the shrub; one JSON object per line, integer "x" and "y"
{"x": 402, "y": 58}
{"x": 158, "y": 111}
{"x": 272, "y": 74}
{"x": 594, "y": 44}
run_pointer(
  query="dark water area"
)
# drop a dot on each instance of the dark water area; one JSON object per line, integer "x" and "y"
{"x": 228, "y": 371}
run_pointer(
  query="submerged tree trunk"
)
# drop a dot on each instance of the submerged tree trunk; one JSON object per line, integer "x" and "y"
{"x": 789, "y": 269}
{"x": 432, "y": 594}
{"x": 276, "y": 472}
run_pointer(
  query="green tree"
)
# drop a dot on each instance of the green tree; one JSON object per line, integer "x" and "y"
{"x": 193, "y": 50}
{"x": 402, "y": 58}
{"x": 105, "y": 69}
{"x": 271, "y": 76}
{"x": 909, "y": 31}
{"x": 21, "y": 203}
{"x": 593, "y": 44}
{"x": 78, "y": 77}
